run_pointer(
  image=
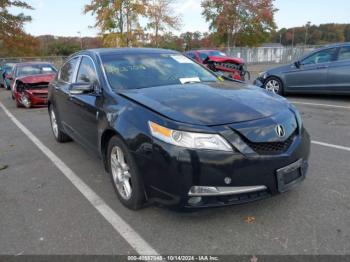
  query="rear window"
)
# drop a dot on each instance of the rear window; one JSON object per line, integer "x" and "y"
{"x": 142, "y": 71}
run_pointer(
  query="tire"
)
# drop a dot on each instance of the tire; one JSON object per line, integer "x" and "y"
{"x": 124, "y": 174}
{"x": 18, "y": 104}
{"x": 274, "y": 84}
{"x": 60, "y": 136}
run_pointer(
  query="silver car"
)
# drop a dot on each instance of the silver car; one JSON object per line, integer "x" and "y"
{"x": 324, "y": 71}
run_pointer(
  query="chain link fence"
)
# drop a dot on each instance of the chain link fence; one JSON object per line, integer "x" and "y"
{"x": 257, "y": 55}
{"x": 269, "y": 55}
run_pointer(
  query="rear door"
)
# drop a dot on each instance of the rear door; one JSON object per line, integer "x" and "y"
{"x": 84, "y": 108}
{"x": 339, "y": 72}
{"x": 312, "y": 74}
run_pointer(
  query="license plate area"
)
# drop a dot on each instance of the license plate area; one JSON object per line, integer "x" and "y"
{"x": 290, "y": 175}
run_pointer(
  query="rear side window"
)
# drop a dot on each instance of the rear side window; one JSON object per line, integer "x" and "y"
{"x": 344, "y": 53}
{"x": 203, "y": 56}
{"x": 191, "y": 55}
{"x": 67, "y": 71}
{"x": 86, "y": 73}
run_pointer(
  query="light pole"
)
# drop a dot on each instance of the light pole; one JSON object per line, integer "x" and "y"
{"x": 81, "y": 40}
{"x": 306, "y": 31}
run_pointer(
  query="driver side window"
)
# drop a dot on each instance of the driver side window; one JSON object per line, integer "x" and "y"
{"x": 86, "y": 73}
{"x": 323, "y": 56}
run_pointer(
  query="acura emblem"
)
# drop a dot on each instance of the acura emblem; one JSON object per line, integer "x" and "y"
{"x": 280, "y": 131}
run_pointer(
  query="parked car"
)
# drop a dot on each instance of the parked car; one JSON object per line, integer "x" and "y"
{"x": 221, "y": 63}
{"x": 29, "y": 82}
{"x": 5, "y": 70}
{"x": 171, "y": 131}
{"x": 324, "y": 71}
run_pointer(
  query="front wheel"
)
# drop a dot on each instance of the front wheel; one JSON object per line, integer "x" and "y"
{"x": 274, "y": 85}
{"x": 124, "y": 174}
{"x": 60, "y": 136}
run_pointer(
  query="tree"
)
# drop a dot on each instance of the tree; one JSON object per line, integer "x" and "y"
{"x": 245, "y": 21}
{"x": 161, "y": 17}
{"x": 11, "y": 23}
{"x": 11, "y": 26}
{"x": 119, "y": 17}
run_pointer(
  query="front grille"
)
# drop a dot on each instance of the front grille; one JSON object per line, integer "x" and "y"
{"x": 271, "y": 148}
{"x": 40, "y": 95}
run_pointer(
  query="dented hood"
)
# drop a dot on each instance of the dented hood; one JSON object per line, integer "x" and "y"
{"x": 225, "y": 59}
{"x": 209, "y": 103}
{"x": 37, "y": 78}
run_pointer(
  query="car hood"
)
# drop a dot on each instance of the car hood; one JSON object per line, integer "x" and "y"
{"x": 222, "y": 59}
{"x": 37, "y": 78}
{"x": 209, "y": 103}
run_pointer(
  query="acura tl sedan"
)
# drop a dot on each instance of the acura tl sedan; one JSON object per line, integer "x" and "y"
{"x": 170, "y": 131}
{"x": 324, "y": 71}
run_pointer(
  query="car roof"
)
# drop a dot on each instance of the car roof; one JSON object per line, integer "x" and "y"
{"x": 127, "y": 50}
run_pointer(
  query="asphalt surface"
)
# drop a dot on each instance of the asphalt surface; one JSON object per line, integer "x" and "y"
{"x": 41, "y": 212}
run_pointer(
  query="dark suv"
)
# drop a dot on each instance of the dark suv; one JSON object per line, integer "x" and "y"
{"x": 324, "y": 71}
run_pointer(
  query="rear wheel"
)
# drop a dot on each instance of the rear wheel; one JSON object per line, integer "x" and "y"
{"x": 60, "y": 136}
{"x": 274, "y": 84}
{"x": 124, "y": 174}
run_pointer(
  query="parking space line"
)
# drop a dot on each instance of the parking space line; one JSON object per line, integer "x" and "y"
{"x": 318, "y": 104}
{"x": 122, "y": 227}
{"x": 330, "y": 145}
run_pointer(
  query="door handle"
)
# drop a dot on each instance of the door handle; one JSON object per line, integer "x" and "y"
{"x": 322, "y": 67}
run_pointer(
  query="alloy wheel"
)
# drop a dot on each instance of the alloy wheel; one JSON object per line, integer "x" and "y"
{"x": 54, "y": 124}
{"x": 121, "y": 173}
{"x": 273, "y": 86}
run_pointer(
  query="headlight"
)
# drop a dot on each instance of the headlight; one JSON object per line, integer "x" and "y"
{"x": 189, "y": 139}
{"x": 262, "y": 75}
{"x": 297, "y": 117}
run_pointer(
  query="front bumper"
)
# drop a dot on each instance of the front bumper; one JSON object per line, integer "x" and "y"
{"x": 259, "y": 82}
{"x": 38, "y": 101}
{"x": 171, "y": 174}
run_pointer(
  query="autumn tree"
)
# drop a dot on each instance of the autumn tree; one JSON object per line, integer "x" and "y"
{"x": 11, "y": 25}
{"x": 247, "y": 22}
{"x": 117, "y": 17}
{"x": 161, "y": 16}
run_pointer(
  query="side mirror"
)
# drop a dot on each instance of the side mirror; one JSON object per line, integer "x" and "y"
{"x": 297, "y": 64}
{"x": 82, "y": 88}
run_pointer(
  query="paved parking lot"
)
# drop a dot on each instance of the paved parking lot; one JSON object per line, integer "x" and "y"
{"x": 43, "y": 211}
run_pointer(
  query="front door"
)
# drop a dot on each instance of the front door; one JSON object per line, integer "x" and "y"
{"x": 312, "y": 73}
{"x": 85, "y": 107}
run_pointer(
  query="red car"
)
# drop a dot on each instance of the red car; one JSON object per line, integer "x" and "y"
{"x": 29, "y": 83}
{"x": 219, "y": 62}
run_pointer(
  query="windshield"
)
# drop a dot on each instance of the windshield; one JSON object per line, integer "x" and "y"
{"x": 147, "y": 70}
{"x": 38, "y": 69}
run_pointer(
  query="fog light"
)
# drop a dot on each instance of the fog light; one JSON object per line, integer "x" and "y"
{"x": 194, "y": 201}
{"x": 202, "y": 190}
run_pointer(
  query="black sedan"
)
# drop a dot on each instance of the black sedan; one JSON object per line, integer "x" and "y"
{"x": 324, "y": 71}
{"x": 170, "y": 131}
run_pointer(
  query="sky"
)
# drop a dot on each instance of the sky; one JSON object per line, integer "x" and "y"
{"x": 66, "y": 18}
